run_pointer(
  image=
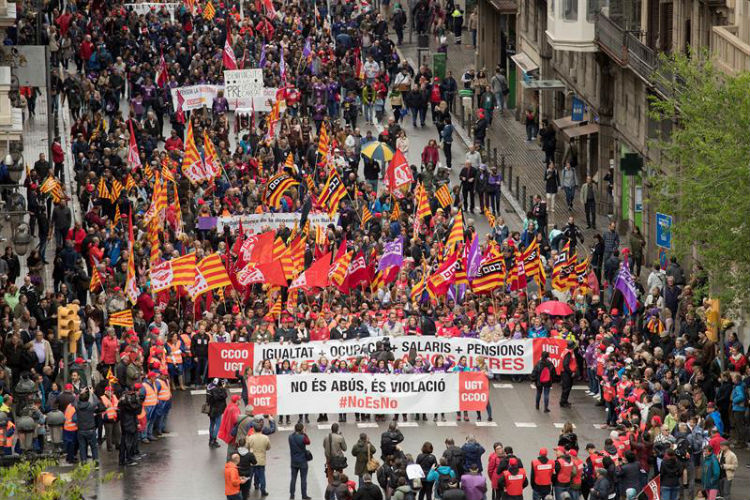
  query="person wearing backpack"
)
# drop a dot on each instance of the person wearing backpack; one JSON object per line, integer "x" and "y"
{"x": 442, "y": 476}
{"x": 385, "y": 474}
{"x": 403, "y": 491}
{"x": 543, "y": 375}
{"x": 711, "y": 474}
{"x": 334, "y": 446}
{"x": 245, "y": 467}
{"x": 454, "y": 457}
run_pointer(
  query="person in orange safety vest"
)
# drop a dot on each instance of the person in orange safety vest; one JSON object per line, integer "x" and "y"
{"x": 109, "y": 417}
{"x": 542, "y": 469}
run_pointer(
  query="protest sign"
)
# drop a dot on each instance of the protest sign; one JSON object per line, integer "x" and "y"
{"x": 254, "y": 223}
{"x": 226, "y": 358}
{"x": 368, "y": 393}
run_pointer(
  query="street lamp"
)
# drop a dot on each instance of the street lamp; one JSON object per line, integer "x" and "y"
{"x": 14, "y": 166}
{"x": 22, "y": 239}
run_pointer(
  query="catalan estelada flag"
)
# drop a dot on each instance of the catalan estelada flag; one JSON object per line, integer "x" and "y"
{"x": 332, "y": 193}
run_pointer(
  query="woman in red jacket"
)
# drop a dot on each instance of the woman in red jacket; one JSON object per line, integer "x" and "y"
{"x": 492, "y": 465}
{"x": 430, "y": 153}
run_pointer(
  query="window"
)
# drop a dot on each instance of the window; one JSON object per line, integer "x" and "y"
{"x": 570, "y": 10}
{"x": 551, "y": 9}
{"x": 594, "y": 7}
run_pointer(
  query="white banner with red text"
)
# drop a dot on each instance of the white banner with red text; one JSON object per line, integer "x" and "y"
{"x": 512, "y": 357}
{"x": 367, "y": 393}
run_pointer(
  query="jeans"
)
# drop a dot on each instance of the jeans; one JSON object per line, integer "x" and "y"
{"x": 590, "y": 209}
{"x": 593, "y": 380}
{"x": 539, "y": 390}
{"x": 86, "y": 440}
{"x": 725, "y": 487}
{"x": 259, "y": 477}
{"x": 201, "y": 366}
{"x": 368, "y": 112}
{"x": 670, "y": 492}
{"x": 213, "y": 427}
{"x": 425, "y": 492}
{"x": 414, "y": 115}
{"x": 164, "y": 414}
{"x": 151, "y": 417}
{"x": 302, "y": 470}
{"x": 70, "y": 439}
{"x": 236, "y": 496}
{"x": 559, "y": 490}
{"x": 448, "y": 156}
{"x": 570, "y": 195}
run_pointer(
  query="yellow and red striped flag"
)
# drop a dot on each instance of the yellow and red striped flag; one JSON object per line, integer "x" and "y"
{"x": 366, "y": 216}
{"x": 175, "y": 272}
{"x": 152, "y": 231}
{"x": 192, "y": 163}
{"x": 114, "y": 193}
{"x": 177, "y": 209}
{"x": 214, "y": 272}
{"x": 211, "y": 163}
{"x": 122, "y": 318}
{"x": 339, "y": 269}
{"x": 131, "y": 285}
{"x": 324, "y": 141}
{"x": 129, "y": 182}
{"x": 297, "y": 255}
{"x": 443, "y": 195}
{"x": 281, "y": 253}
{"x": 276, "y": 187}
{"x": 532, "y": 263}
{"x": 332, "y": 193}
{"x": 423, "y": 206}
{"x": 209, "y": 11}
{"x": 166, "y": 172}
{"x": 96, "y": 280}
{"x": 102, "y": 191}
{"x": 456, "y": 235}
{"x": 291, "y": 301}
{"x": 275, "y": 310}
{"x": 396, "y": 210}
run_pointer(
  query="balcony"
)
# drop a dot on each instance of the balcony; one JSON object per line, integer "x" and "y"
{"x": 627, "y": 51}
{"x": 730, "y": 53}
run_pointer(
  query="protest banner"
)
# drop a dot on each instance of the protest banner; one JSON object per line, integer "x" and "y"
{"x": 255, "y": 223}
{"x": 368, "y": 393}
{"x": 144, "y": 8}
{"x": 226, "y": 358}
{"x": 195, "y": 96}
{"x": 513, "y": 357}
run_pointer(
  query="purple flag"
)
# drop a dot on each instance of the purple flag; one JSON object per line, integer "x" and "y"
{"x": 307, "y": 51}
{"x": 393, "y": 254}
{"x": 473, "y": 259}
{"x": 624, "y": 282}
{"x": 262, "y": 61}
{"x": 282, "y": 65}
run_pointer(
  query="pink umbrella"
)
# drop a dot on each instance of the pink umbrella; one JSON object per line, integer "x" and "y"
{"x": 554, "y": 308}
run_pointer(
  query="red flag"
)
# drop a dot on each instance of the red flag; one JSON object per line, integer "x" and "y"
{"x": 398, "y": 173}
{"x": 358, "y": 273}
{"x": 230, "y": 61}
{"x": 316, "y": 275}
{"x": 162, "y": 76}
{"x": 271, "y": 273}
{"x": 652, "y": 490}
{"x": 593, "y": 282}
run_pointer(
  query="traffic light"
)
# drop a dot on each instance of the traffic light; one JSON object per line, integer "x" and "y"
{"x": 69, "y": 325}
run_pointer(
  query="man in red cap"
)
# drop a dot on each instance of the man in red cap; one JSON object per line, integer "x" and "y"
{"x": 564, "y": 471}
{"x": 513, "y": 480}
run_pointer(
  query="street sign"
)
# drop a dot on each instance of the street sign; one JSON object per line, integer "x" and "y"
{"x": 577, "y": 112}
{"x": 664, "y": 231}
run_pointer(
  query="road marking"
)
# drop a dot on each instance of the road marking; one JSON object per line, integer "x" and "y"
{"x": 169, "y": 434}
{"x": 366, "y": 425}
{"x": 525, "y": 424}
{"x": 324, "y": 427}
{"x": 560, "y": 425}
{"x": 533, "y": 386}
{"x": 502, "y": 386}
{"x": 600, "y": 426}
{"x": 203, "y": 432}
{"x": 580, "y": 388}
{"x": 486, "y": 424}
{"x": 408, "y": 424}
{"x": 284, "y": 428}
{"x": 446, "y": 424}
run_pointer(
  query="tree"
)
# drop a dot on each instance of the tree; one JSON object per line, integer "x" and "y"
{"x": 39, "y": 480}
{"x": 705, "y": 169}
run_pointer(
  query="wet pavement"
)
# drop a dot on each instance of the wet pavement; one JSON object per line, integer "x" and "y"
{"x": 182, "y": 466}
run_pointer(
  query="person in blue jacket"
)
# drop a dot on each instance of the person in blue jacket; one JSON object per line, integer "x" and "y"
{"x": 711, "y": 473}
{"x": 739, "y": 405}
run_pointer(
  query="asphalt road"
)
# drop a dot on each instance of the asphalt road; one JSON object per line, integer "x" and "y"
{"x": 182, "y": 466}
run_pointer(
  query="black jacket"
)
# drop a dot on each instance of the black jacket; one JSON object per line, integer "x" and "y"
{"x": 368, "y": 491}
{"x": 388, "y": 442}
{"x": 129, "y": 406}
{"x": 629, "y": 476}
{"x": 216, "y": 398}
{"x": 671, "y": 472}
{"x": 86, "y": 413}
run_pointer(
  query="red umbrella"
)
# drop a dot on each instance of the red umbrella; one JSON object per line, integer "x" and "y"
{"x": 554, "y": 308}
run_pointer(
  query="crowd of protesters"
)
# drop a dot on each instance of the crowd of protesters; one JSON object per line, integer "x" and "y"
{"x": 674, "y": 393}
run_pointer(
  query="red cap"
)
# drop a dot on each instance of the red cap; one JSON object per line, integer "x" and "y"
{"x": 117, "y": 289}
{"x": 137, "y": 386}
{"x": 79, "y": 361}
{"x": 235, "y": 398}
{"x": 151, "y": 374}
{"x": 561, "y": 449}
{"x": 159, "y": 342}
{"x": 513, "y": 461}
{"x": 108, "y": 388}
{"x": 68, "y": 387}
{"x": 573, "y": 453}
{"x": 542, "y": 452}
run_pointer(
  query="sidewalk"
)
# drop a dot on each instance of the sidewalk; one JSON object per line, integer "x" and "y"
{"x": 524, "y": 161}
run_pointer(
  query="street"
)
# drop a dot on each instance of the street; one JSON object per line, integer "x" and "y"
{"x": 187, "y": 468}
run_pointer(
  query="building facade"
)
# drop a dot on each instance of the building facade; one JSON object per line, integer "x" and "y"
{"x": 601, "y": 55}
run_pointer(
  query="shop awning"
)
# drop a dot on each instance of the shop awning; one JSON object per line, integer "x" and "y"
{"x": 571, "y": 132}
{"x": 524, "y": 62}
{"x": 504, "y": 6}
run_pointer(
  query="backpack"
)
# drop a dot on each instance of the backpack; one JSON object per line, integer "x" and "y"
{"x": 682, "y": 449}
{"x": 545, "y": 376}
{"x": 382, "y": 476}
{"x": 442, "y": 483}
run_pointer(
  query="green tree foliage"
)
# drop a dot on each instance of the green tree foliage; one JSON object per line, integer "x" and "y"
{"x": 705, "y": 170}
{"x": 21, "y": 481}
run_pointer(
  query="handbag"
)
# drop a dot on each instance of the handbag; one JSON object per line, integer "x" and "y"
{"x": 373, "y": 464}
{"x": 337, "y": 462}
{"x": 205, "y": 408}
{"x": 308, "y": 455}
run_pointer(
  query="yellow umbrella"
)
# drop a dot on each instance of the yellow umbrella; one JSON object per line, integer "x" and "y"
{"x": 378, "y": 151}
